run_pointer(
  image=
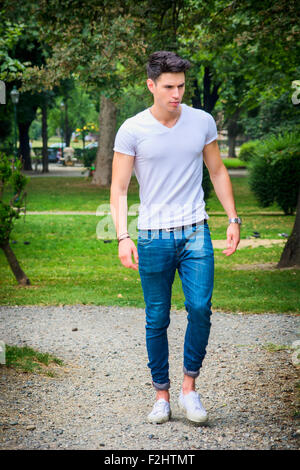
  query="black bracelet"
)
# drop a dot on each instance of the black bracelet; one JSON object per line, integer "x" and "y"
{"x": 119, "y": 240}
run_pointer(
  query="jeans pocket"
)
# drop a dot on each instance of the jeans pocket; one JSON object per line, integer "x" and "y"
{"x": 144, "y": 238}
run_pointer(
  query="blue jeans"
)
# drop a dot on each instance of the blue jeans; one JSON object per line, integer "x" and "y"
{"x": 161, "y": 252}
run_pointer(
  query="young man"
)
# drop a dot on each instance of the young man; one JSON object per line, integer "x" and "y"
{"x": 166, "y": 145}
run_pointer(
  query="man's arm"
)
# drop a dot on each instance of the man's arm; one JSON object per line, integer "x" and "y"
{"x": 221, "y": 181}
{"x": 121, "y": 174}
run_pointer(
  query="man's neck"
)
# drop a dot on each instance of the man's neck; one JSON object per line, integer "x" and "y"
{"x": 167, "y": 118}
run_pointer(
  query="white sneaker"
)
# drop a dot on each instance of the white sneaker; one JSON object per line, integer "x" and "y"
{"x": 193, "y": 407}
{"x": 161, "y": 412}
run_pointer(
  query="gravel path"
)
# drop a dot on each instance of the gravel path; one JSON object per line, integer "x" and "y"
{"x": 101, "y": 397}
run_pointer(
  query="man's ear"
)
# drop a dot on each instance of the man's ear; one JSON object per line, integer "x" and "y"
{"x": 150, "y": 85}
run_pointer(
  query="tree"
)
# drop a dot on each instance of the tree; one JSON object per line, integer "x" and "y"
{"x": 251, "y": 29}
{"x": 105, "y": 46}
{"x": 291, "y": 252}
{"x": 251, "y": 48}
{"x": 258, "y": 43}
{"x": 21, "y": 49}
{"x": 9, "y": 67}
{"x": 90, "y": 44}
{"x": 11, "y": 176}
{"x": 107, "y": 129}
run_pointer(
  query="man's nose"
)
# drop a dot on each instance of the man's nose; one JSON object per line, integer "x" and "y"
{"x": 176, "y": 93}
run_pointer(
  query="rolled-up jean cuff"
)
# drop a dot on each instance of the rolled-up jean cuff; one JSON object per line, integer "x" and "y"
{"x": 158, "y": 386}
{"x": 191, "y": 373}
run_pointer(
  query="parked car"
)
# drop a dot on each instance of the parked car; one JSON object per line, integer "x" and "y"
{"x": 52, "y": 155}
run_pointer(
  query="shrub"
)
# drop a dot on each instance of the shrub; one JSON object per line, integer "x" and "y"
{"x": 275, "y": 171}
{"x": 89, "y": 157}
{"x": 247, "y": 150}
{"x": 79, "y": 154}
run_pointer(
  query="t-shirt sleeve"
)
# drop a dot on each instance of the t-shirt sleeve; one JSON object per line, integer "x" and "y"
{"x": 212, "y": 132}
{"x": 125, "y": 141}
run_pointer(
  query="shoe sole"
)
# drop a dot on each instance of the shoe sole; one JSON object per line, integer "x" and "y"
{"x": 190, "y": 417}
{"x": 161, "y": 420}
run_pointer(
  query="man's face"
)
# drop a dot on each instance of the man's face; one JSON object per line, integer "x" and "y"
{"x": 168, "y": 90}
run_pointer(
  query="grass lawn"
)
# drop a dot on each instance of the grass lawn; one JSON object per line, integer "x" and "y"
{"x": 77, "y": 194}
{"x": 67, "y": 264}
{"x": 27, "y": 359}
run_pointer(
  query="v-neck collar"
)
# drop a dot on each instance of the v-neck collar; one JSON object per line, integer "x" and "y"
{"x": 166, "y": 127}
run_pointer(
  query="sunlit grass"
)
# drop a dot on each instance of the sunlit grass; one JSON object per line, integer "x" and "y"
{"x": 67, "y": 264}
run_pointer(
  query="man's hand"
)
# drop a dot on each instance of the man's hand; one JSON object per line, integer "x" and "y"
{"x": 127, "y": 249}
{"x": 233, "y": 238}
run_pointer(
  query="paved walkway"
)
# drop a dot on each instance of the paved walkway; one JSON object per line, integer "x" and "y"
{"x": 73, "y": 171}
{"x": 58, "y": 170}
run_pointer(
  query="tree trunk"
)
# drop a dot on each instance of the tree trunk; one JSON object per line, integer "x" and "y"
{"x": 107, "y": 132}
{"x": 233, "y": 130}
{"x": 196, "y": 98}
{"x": 291, "y": 252}
{"x": 14, "y": 264}
{"x": 210, "y": 95}
{"x": 24, "y": 144}
{"x": 231, "y": 145}
{"x": 45, "y": 138}
{"x": 68, "y": 130}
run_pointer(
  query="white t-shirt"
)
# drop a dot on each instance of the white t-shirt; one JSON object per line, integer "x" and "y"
{"x": 168, "y": 165}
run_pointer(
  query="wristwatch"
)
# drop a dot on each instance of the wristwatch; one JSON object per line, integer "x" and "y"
{"x": 235, "y": 220}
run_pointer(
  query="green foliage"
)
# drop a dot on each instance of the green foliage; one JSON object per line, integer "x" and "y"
{"x": 275, "y": 171}
{"x": 9, "y": 36}
{"x": 89, "y": 157}
{"x": 81, "y": 109}
{"x": 247, "y": 150}
{"x": 235, "y": 42}
{"x": 135, "y": 98}
{"x": 35, "y": 131}
{"x": 272, "y": 116}
{"x": 87, "y": 42}
{"x": 12, "y": 180}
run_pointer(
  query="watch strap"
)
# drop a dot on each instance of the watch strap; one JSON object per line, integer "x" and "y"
{"x": 235, "y": 220}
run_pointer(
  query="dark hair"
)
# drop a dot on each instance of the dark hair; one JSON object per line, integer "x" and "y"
{"x": 165, "y": 62}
